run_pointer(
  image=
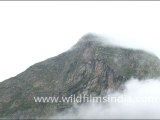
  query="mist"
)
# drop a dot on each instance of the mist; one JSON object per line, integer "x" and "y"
{"x": 144, "y": 103}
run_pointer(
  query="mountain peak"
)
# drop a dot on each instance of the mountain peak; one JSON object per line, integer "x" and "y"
{"x": 89, "y": 39}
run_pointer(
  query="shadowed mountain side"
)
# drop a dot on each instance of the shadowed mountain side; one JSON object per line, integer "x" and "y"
{"x": 90, "y": 67}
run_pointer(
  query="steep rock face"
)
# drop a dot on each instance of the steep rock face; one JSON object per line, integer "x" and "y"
{"x": 88, "y": 68}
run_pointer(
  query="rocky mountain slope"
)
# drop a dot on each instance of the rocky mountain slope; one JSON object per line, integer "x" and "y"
{"x": 89, "y": 67}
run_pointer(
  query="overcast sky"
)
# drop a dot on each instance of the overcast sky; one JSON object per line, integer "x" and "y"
{"x": 34, "y": 31}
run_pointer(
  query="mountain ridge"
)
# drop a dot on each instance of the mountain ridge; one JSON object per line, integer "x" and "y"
{"x": 88, "y": 67}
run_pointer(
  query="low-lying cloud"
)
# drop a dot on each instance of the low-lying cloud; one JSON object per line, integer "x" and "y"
{"x": 135, "y": 89}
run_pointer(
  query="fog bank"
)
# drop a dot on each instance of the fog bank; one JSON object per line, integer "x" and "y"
{"x": 141, "y": 109}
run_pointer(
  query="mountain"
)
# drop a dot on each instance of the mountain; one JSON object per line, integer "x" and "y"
{"x": 89, "y": 67}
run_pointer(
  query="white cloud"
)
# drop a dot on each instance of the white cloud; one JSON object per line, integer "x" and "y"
{"x": 143, "y": 108}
